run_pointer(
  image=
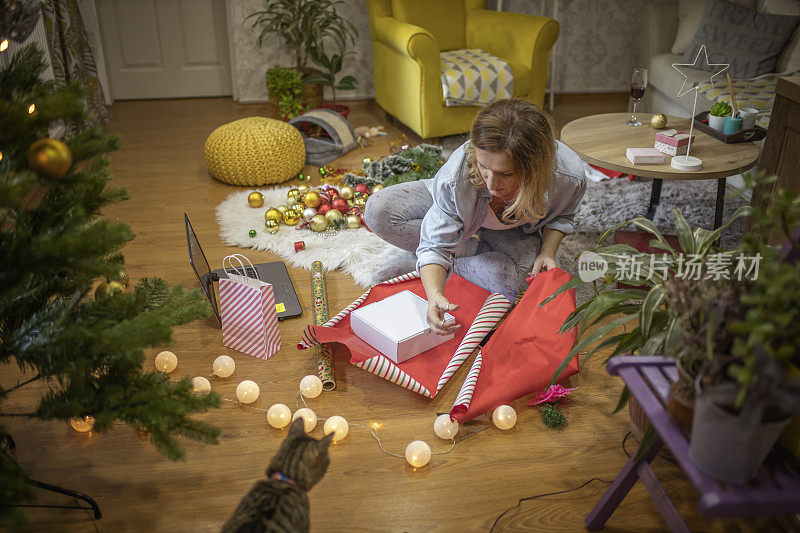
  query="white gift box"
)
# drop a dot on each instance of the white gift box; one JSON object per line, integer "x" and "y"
{"x": 397, "y": 326}
{"x": 644, "y": 156}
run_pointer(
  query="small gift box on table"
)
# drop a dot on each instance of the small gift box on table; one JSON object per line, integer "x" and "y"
{"x": 672, "y": 142}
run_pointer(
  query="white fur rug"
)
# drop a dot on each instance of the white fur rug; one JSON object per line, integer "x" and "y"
{"x": 360, "y": 253}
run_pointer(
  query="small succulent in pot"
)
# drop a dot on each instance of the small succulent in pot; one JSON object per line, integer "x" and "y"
{"x": 717, "y": 114}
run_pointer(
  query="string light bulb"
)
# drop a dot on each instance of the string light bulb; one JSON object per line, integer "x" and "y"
{"x": 82, "y": 423}
{"x": 418, "y": 453}
{"x": 3, "y": 45}
{"x": 166, "y": 362}
{"x": 309, "y": 418}
{"x": 31, "y": 109}
{"x": 338, "y": 426}
{"x": 247, "y": 391}
{"x": 444, "y": 427}
{"x": 311, "y": 386}
{"x": 201, "y": 386}
{"x": 223, "y": 366}
{"x": 279, "y": 416}
{"x": 504, "y": 417}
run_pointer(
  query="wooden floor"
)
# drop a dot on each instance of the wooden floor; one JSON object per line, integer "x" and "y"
{"x": 161, "y": 161}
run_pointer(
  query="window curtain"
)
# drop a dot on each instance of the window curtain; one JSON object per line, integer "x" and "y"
{"x": 72, "y": 58}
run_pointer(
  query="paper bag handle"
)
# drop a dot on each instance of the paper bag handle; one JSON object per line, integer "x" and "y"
{"x": 238, "y": 258}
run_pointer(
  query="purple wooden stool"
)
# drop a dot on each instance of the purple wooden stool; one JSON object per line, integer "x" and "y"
{"x": 774, "y": 490}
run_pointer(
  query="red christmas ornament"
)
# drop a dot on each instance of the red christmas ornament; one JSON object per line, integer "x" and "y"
{"x": 362, "y": 188}
{"x": 364, "y": 222}
{"x": 340, "y": 204}
{"x": 333, "y": 193}
{"x": 325, "y": 197}
{"x": 323, "y": 208}
{"x": 354, "y": 211}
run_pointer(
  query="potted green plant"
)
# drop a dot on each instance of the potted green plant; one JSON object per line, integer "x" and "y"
{"x": 717, "y": 114}
{"x": 302, "y": 24}
{"x": 285, "y": 89}
{"x": 331, "y": 67}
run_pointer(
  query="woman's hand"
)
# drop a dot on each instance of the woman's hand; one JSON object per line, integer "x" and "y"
{"x": 437, "y": 307}
{"x": 545, "y": 262}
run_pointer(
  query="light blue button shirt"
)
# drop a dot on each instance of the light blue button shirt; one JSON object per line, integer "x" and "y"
{"x": 459, "y": 208}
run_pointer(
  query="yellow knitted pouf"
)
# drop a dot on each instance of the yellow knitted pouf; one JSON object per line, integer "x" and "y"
{"x": 255, "y": 151}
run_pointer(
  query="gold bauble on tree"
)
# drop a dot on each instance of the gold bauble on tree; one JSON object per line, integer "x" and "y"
{"x": 312, "y": 199}
{"x": 353, "y": 221}
{"x": 659, "y": 121}
{"x": 273, "y": 214}
{"x": 49, "y": 158}
{"x": 347, "y": 192}
{"x": 291, "y": 217}
{"x": 318, "y": 223}
{"x": 272, "y": 226}
{"x": 107, "y": 288}
{"x": 255, "y": 199}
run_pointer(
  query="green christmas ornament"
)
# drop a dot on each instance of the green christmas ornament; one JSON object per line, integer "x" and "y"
{"x": 322, "y": 171}
{"x": 252, "y": 233}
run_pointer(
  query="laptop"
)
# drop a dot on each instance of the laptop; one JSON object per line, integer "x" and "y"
{"x": 286, "y": 303}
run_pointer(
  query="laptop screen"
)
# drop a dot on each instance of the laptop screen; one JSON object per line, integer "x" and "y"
{"x": 200, "y": 266}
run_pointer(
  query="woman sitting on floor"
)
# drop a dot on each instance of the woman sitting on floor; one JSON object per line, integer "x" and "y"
{"x": 494, "y": 214}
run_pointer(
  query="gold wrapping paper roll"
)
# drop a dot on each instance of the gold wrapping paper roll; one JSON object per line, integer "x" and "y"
{"x": 324, "y": 351}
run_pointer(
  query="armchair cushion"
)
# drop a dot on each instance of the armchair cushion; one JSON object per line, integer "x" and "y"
{"x": 690, "y": 13}
{"x": 474, "y": 77}
{"x": 444, "y": 19}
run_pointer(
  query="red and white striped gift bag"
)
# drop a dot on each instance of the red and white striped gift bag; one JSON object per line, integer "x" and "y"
{"x": 247, "y": 308}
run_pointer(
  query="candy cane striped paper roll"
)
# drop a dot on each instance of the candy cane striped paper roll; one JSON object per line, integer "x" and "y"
{"x": 325, "y": 351}
{"x": 464, "y": 397}
{"x": 491, "y": 312}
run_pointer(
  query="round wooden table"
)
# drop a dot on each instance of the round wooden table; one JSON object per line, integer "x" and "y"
{"x": 603, "y": 139}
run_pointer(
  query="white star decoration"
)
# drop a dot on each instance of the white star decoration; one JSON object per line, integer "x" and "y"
{"x": 725, "y": 66}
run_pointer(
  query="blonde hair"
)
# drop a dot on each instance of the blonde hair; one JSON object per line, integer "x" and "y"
{"x": 527, "y": 135}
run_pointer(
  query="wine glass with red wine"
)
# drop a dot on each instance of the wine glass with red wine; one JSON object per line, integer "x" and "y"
{"x": 638, "y": 86}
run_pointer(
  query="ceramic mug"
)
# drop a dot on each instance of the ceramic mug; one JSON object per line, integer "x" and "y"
{"x": 732, "y": 125}
{"x": 715, "y": 122}
{"x": 748, "y": 115}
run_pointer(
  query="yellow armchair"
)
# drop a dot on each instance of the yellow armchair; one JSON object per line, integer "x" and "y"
{"x": 406, "y": 37}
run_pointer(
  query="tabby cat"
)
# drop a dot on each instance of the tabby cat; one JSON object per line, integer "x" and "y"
{"x": 280, "y": 502}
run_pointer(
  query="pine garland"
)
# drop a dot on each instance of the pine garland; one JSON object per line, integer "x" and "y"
{"x": 88, "y": 352}
{"x": 552, "y": 416}
{"x": 411, "y": 164}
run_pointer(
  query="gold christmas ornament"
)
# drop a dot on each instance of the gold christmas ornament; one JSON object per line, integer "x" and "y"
{"x": 367, "y": 160}
{"x": 293, "y": 202}
{"x": 273, "y": 214}
{"x": 659, "y": 121}
{"x": 347, "y": 192}
{"x": 303, "y": 188}
{"x": 318, "y": 223}
{"x": 124, "y": 278}
{"x": 333, "y": 216}
{"x": 353, "y": 221}
{"x": 272, "y": 226}
{"x": 361, "y": 201}
{"x": 282, "y": 208}
{"x": 107, "y": 288}
{"x": 377, "y": 188}
{"x": 312, "y": 199}
{"x": 255, "y": 199}
{"x": 292, "y": 193}
{"x": 291, "y": 217}
{"x": 49, "y": 158}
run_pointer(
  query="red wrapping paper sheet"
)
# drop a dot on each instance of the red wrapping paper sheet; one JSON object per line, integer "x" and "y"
{"x": 524, "y": 352}
{"x": 428, "y": 368}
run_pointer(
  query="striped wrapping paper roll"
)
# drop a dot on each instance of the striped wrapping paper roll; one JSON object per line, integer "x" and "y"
{"x": 325, "y": 351}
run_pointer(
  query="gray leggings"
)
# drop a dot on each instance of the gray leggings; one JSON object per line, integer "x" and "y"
{"x": 499, "y": 261}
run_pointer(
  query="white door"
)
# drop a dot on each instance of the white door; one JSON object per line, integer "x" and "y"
{"x": 165, "y": 48}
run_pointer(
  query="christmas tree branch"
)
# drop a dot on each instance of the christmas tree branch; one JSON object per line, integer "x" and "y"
{"x": 20, "y": 385}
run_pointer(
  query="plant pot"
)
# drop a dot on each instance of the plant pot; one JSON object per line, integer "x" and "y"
{"x": 722, "y": 449}
{"x": 718, "y": 123}
{"x": 312, "y": 92}
{"x": 680, "y": 403}
{"x": 339, "y": 108}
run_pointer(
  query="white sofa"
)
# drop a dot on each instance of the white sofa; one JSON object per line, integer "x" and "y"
{"x": 664, "y": 20}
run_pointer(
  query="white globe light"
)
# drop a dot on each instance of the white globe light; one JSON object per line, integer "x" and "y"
{"x": 308, "y": 416}
{"x": 444, "y": 427}
{"x": 504, "y": 417}
{"x": 247, "y": 391}
{"x": 418, "y": 453}
{"x": 338, "y": 426}
{"x": 82, "y": 423}
{"x": 166, "y": 362}
{"x": 201, "y": 386}
{"x": 311, "y": 386}
{"x": 279, "y": 416}
{"x": 223, "y": 366}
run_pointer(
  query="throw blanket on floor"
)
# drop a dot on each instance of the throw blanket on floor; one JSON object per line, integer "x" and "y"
{"x": 474, "y": 77}
{"x": 758, "y": 93}
{"x": 428, "y": 372}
